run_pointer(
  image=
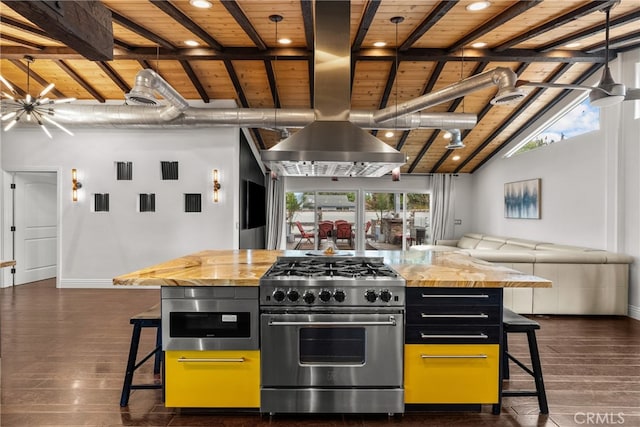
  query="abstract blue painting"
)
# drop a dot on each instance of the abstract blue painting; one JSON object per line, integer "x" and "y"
{"x": 522, "y": 199}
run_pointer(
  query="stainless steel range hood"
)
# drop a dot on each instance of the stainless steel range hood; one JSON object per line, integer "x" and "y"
{"x": 331, "y": 145}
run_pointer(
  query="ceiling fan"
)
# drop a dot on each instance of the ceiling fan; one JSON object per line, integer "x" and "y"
{"x": 607, "y": 92}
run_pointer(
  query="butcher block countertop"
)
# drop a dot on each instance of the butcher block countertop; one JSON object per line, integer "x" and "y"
{"x": 245, "y": 267}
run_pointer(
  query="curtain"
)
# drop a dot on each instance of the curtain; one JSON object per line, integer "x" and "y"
{"x": 275, "y": 213}
{"x": 442, "y": 199}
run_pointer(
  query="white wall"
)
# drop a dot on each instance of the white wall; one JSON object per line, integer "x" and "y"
{"x": 590, "y": 186}
{"x": 96, "y": 246}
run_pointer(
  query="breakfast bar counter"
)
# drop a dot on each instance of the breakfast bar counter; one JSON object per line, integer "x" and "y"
{"x": 245, "y": 267}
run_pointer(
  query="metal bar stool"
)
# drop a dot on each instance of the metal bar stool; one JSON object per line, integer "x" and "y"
{"x": 515, "y": 323}
{"x": 147, "y": 319}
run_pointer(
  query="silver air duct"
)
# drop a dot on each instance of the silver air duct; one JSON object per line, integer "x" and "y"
{"x": 504, "y": 78}
{"x": 143, "y": 93}
{"x": 332, "y": 145}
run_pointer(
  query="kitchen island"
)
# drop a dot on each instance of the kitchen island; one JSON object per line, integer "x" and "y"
{"x": 286, "y": 332}
{"x": 245, "y": 267}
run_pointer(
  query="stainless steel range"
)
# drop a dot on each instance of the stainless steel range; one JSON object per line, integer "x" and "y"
{"x": 332, "y": 334}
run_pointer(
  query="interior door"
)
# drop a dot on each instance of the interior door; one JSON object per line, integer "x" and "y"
{"x": 35, "y": 221}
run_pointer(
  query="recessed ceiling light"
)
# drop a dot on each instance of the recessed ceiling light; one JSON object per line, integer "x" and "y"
{"x": 380, "y": 44}
{"x": 284, "y": 41}
{"x": 202, "y": 4}
{"x": 479, "y": 44}
{"x": 570, "y": 45}
{"x": 191, "y": 43}
{"x": 447, "y": 135}
{"x": 456, "y": 158}
{"x": 388, "y": 134}
{"x": 478, "y": 5}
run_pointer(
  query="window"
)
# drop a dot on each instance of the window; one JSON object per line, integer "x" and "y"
{"x": 578, "y": 118}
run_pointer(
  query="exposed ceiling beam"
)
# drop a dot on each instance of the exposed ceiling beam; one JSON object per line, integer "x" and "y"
{"x": 114, "y": 76}
{"x": 26, "y": 27}
{"x": 517, "y": 9}
{"x": 552, "y": 24}
{"x": 436, "y": 14}
{"x": 594, "y": 68}
{"x": 75, "y": 76}
{"x": 307, "y": 18}
{"x": 22, "y": 42}
{"x": 186, "y": 22}
{"x": 367, "y": 18}
{"x": 236, "y": 11}
{"x": 273, "y": 85}
{"x": 195, "y": 81}
{"x": 297, "y": 54}
{"x": 84, "y": 26}
{"x": 258, "y": 137}
{"x": 242, "y": 98}
{"x": 35, "y": 76}
{"x": 141, "y": 31}
{"x": 614, "y": 23}
{"x": 387, "y": 90}
{"x": 616, "y": 42}
{"x": 424, "y": 149}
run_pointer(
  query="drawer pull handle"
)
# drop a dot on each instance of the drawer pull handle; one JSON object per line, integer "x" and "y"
{"x": 455, "y": 296}
{"x": 454, "y": 316}
{"x": 453, "y": 356}
{"x": 478, "y": 336}
{"x": 237, "y": 360}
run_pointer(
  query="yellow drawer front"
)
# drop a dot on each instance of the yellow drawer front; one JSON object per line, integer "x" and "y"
{"x": 212, "y": 379}
{"x": 442, "y": 373}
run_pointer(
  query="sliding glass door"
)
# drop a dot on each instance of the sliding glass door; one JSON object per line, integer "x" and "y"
{"x": 357, "y": 220}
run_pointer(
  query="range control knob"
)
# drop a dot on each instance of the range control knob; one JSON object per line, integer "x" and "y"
{"x": 339, "y": 295}
{"x": 308, "y": 297}
{"x": 293, "y": 295}
{"x": 370, "y": 295}
{"x": 278, "y": 295}
{"x": 385, "y": 295}
{"x": 324, "y": 295}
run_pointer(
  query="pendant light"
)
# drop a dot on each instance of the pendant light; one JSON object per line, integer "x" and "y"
{"x": 39, "y": 109}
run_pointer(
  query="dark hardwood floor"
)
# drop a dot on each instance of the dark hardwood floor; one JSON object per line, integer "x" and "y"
{"x": 63, "y": 357}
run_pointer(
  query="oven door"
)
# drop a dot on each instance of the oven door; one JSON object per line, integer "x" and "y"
{"x": 209, "y": 324}
{"x": 332, "y": 349}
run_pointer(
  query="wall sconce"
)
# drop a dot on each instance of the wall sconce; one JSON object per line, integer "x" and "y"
{"x": 75, "y": 184}
{"x": 216, "y": 185}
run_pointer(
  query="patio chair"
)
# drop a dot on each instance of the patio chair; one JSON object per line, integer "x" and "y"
{"x": 325, "y": 229}
{"x": 343, "y": 231}
{"x": 304, "y": 235}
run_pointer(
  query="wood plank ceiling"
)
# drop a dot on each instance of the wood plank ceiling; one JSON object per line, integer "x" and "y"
{"x": 239, "y": 58}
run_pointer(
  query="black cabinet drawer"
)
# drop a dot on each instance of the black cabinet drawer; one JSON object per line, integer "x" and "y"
{"x": 454, "y": 314}
{"x": 452, "y": 334}
{"x": 454, "y": 296}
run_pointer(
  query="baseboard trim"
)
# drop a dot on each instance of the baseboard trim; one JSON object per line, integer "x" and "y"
{"x": 96, "y": 284}
{"x": 634, "y": 312}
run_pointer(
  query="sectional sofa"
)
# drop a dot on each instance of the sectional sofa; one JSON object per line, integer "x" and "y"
{"x": 585, "y": 280}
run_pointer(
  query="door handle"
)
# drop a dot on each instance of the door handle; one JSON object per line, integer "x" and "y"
{"x": 201, "y": 360}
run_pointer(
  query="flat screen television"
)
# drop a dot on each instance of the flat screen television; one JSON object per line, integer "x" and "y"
{"x": 255, "y": 205}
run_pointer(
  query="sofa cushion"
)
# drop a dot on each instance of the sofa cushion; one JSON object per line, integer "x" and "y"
{"x": 488, "y": 244}
{"x": 511, "y": 247}
{"x": 566, "y": 257}
{"x": 563, "y": 248}
{"x": 477, "y": 236}
{"x": 529, "y": 244}
{"x": 467, "y": 242}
